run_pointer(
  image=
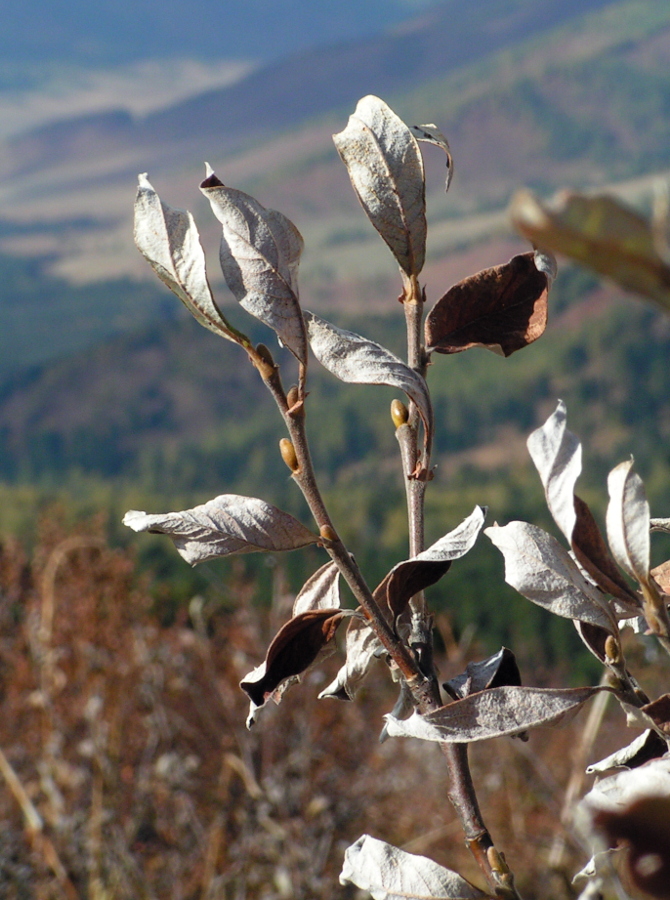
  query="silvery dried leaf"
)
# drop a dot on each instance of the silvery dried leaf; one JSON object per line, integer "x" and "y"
{"x": 392, "y": 874}
{"x": 386, "y": 170}
{"x": 259, "y": 254}
{"x": 538, "y": 567}
{"x": 557, "y": 455}
{"x": 404, "y": 707}
{"x": 356, "y": 360}
{"x": 225, "y": 525}
{"x": 168, "y": 239}
{"x": 646, "y": 746}
{"x": 432, "y": 135}
{"x": 362, "y": 646}
{"x": 660, "y": 525}
{"x": 628, "y": 521}
{"x": 294, "y": 648}
{"x": 321, "y": 591}
{"x": 493, "y": 713}
{"x": 409, "y": 577}
{"x": 496, "y": 671}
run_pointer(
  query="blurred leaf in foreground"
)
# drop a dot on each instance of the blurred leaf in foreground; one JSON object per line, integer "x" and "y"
{"x": 601, "y": 233}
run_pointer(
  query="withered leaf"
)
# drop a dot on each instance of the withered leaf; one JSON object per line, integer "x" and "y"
{"x": 594, "y": 637}
{"x": 646, "y": 746}
{"x": 538, "y": 567}
{"x": 409, "y": 577}
{"x": 593, "y": 554}
{"x": 557, "y": 455}
{"x": 362, "y": 646}
{"x": 432, "y": 135}
{"x": 260, "y": 252}
{"x": 497, "y": 671}
{"x": 499, "y": 711}
{"x": 388, "y": 873}
{"x": 502, "y": 309}
{"x": 225, "y": 525}
{"x": 293, "y": 649}
{"x": 320, "y": 591}
{"x": 599, "y": 232}
{"x": 386, "y": 171}
{"x": 628, "y": 521}
{"x": 633, "y": 806}
{"x": 659, "y": 712}
{"x": 168, "y": 239}
{"x": 661, "y": 575}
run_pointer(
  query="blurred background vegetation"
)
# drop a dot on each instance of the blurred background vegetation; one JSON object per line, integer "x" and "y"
{"x": 112, "y": 398}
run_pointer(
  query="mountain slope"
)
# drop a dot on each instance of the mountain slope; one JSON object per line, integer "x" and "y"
{"x": 549, "y": 94}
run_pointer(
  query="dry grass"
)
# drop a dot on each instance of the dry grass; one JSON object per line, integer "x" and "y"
{"x": 128, "y": 772}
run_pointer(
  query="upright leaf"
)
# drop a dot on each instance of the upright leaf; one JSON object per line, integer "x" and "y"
{"x": 260, "y": 252}
{"x": 628, "y": 521}
{"x": 502, "y": 309}
{"x": 432, "y": 135}
{"x": 599, "y": 232}
{"x": 321, "y": 591}
{"x": 557, "y": 455}
{"x": 497, "y": 712}
{"x": 294, "y": 648}
{"x": 392, "y": 874}
{"x": 592, "y": 553}
{"x": 225, "y": 525}
{"x": 538, "y": 567}
{"x": 356, "y": 360}
{"x": 168, "y": 239}
{"x": 386, "y": 170}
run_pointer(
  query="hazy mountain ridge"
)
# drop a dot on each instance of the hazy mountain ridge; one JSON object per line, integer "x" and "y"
{"x": 559, "y": 94}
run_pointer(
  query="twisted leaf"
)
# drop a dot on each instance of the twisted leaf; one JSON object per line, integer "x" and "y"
{"x": 386, "y": 170}
{"x": 496, "y": 671}
{"x": 294, "y": 648}
{"x": 168, "y": 239}
{"x": 225, "y": 525}
{"x": 432, "y": 135}
{"x": 259, "y": 254}
{"x": 409, "y": 577}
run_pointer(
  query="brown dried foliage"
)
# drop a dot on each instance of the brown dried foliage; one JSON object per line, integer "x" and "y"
{"x": 128, "y": 740}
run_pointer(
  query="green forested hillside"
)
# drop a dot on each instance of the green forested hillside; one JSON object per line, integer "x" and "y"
{"x": 170, "y": 416}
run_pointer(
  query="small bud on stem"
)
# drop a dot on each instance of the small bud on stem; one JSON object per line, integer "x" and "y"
{"x": 287, "y": 451}
{"x": 327, "y": 533}
{"x": 399, "y": 413}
